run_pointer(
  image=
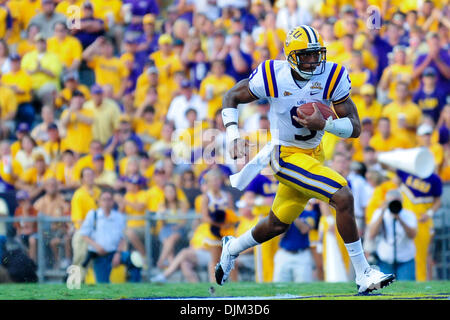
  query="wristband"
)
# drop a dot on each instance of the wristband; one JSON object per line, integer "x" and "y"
{"x": 230, "y": 117}
{"x": 342, "y": 127}
{"x": 430, "y": 213}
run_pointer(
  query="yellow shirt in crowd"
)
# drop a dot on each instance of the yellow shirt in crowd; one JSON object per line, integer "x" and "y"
{"x": 68, "y": 50}
{"x": 106, "y": 118}
{"x": 83, "y": 201}
{"x": 48, "y": 61}
{"x": 109, "y": 71}
{"x": 212, "y": 89}
{"x": 78, "y": 135}
{"x": 23, "y": 81}
{"x": 8, "y": 102}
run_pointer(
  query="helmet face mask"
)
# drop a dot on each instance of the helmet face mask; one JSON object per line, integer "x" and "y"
{"x": 305, "y": 52}
{"x": 308, "y": 62}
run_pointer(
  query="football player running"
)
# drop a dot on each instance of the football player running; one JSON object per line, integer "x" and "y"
{"x": 297, "y": 156}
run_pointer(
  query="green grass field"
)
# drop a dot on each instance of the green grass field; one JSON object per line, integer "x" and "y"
{"x": 316, "y": 291}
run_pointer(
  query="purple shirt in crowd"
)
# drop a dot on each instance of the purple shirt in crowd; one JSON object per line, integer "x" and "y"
{"x": 442, "y": 82}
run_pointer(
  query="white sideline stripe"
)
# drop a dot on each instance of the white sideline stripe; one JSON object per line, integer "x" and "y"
{"x": 281, "y": 296}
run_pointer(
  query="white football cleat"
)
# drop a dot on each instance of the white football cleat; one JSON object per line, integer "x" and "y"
{"x": 226, "y": 263}
{"x": 372, "y": 279}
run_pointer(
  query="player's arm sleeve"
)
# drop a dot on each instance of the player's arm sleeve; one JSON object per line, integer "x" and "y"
{"x": 257, "y": 83}
{"x": 341, "y": 87}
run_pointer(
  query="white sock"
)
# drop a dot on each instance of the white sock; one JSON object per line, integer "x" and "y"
{"x": 356, "y": 253}
{"x": 242, "y": 243}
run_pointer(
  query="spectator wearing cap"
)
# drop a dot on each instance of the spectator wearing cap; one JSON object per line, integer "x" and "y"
{"x": 53, "y": 146}
{"x": 437, "y": 58}
{"x": 148, "y": 41}
{"x": 32, "y": 179}
{"x": 76, "y": 123}
{"x": 424, "y": 137}
{"x": 133, "y": 204}
{"x": 103, "y": 178}
{"x": 166, "y": 61}
{"x": 106, "y": 114}
{"x": 20, "y": 82}
{"x": 108, "y": 69}
{"x": 214, "y": 86}
{"x": 8, "y": 111}
{"x": 65, "y": 46}
{"x": 44, "y": 68}
{"x": 26, "y": 232}
{"x": 40, "y": 131}
{"x": 368, "y": 106}
{"x": 70, "y": 84}
{"x": 116, "y": 144}
{"x": 21, "y": 131}
{"x": 95, "y": 149}
{"x": 187, "y": 99}
{"x": 404, "y": 114}
{"x": 430, "y": 98}
{"x": 10, "y": 169}
{"x": 237, "y": 63}
{"x": 91, "y": 27}
{"x": 398, "y": 70}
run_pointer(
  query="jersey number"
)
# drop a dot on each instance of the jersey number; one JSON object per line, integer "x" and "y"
{"x": 298, "y": 125}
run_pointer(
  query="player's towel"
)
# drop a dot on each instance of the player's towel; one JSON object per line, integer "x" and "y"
{"x": 242, "y": 179}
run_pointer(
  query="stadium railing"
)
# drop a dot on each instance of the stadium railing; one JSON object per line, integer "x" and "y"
{"x": 42, "y": 220}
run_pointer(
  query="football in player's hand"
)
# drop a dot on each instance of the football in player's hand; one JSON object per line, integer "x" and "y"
{"x": 308, "y": 109}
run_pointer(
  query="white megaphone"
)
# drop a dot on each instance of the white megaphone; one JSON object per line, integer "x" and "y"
{"x": 416, "y": 161}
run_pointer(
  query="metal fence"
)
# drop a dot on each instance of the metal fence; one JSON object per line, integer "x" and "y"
{"x": 441, "y": 240}
{"x": 43, "y": 221}
{"x": 440, "y": 245}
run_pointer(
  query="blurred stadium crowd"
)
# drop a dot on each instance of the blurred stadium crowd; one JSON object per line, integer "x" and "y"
{"x": 126, "y": 96}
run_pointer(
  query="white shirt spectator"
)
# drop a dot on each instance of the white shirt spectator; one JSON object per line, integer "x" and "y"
{"x": 178, "y": 107}
{"x": 405, "y": 247}
{"x": 108, "y": 231}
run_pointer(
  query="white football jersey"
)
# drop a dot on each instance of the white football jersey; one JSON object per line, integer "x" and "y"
{"x": 273, "y": 80}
